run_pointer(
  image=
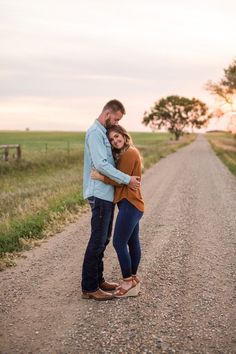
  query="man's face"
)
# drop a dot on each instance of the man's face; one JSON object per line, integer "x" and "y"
{"x": 113, "y": 118}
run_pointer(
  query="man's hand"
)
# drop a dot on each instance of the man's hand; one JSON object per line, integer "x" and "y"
{"x": 134, "y": 183}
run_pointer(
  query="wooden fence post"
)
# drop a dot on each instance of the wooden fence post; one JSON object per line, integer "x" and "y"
{"x": 18, "y": 152}
{"x": 6, "y": 151}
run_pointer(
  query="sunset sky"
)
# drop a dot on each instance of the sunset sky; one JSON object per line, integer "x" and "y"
{"x": 62, "y": 60}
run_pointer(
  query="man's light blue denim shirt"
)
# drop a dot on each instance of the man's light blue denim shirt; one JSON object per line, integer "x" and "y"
{"x": 98, "y": 154}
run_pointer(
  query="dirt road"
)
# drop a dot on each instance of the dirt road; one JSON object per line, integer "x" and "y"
{"x": 187, "y": 304}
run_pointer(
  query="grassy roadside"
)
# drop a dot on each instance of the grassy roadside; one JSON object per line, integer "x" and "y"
{"x": 224, "y": 144}
{"x": 43, "y": 192}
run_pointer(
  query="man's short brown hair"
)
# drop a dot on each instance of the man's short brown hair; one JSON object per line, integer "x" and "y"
{"x": 114, "y": 106}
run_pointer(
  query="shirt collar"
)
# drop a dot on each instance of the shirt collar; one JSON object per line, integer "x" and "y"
{"x": 100, "y": 126}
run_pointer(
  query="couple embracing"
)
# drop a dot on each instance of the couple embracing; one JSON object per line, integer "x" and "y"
{"x": 112, "y": 175}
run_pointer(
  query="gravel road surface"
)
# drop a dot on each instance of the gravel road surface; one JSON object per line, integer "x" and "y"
{"x": 187, "y": 303}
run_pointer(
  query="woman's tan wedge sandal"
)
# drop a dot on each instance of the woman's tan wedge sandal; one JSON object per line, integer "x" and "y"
{"x": 132, "y": 291}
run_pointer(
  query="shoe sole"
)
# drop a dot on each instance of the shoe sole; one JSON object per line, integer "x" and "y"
{"x": 91, "y": 297}
{"x": 138, "y": 287}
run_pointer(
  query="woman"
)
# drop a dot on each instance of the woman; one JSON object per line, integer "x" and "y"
{"x": 131, "y": 207}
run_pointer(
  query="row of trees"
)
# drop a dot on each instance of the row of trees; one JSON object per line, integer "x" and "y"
{"x": 177, "y": 113}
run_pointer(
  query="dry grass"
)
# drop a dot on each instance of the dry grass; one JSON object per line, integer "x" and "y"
{"x": 224, "y": 145}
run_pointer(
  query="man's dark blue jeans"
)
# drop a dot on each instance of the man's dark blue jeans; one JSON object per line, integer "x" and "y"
{"x": 101, "y": 228}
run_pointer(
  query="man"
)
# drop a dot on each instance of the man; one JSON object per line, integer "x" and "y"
{"x": 98, "y": 154}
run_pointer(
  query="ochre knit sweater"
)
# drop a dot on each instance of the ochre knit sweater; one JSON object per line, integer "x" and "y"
{"x": 129, "y": 163}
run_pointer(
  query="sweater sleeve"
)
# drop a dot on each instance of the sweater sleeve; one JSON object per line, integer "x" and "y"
{"x": 107, "y": 180}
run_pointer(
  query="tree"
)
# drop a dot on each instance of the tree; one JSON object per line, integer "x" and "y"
{"x": 177, "y": 113}
{"x": 226, "y": 87}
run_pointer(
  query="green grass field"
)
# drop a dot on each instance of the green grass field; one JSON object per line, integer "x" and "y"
{"x": 42, "y": 192}
{"x": 224, "y": 145}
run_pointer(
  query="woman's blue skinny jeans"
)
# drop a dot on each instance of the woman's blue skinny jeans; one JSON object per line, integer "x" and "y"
{"x": 126, "y": 237}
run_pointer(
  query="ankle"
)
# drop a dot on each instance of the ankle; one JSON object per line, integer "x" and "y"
{"x": 128, "y": 279}
{"x": 127, "y": 283}
{"x": 136, "y": 277}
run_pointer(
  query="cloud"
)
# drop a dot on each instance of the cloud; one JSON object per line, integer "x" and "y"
{"x": 77, "y": 77}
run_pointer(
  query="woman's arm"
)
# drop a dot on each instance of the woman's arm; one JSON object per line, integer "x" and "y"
{"x": 98, "y": 176}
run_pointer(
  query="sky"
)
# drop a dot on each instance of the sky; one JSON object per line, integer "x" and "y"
{"x": 62, "y": 60}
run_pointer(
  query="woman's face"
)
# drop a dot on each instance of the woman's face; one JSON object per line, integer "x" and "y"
{"x": 117, "y": 140}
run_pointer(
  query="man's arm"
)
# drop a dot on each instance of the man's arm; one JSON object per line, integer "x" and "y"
{"x": 129, "y": 159}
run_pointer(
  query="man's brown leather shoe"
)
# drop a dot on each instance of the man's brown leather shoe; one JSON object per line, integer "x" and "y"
{"x": 108, "y": 286}
{"x": 98, "y": 295}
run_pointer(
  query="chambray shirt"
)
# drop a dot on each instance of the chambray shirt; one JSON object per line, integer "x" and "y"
{"x": 97, "y": 153}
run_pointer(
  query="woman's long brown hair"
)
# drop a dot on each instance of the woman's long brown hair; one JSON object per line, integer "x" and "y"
{"x": 128, "y": 140}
